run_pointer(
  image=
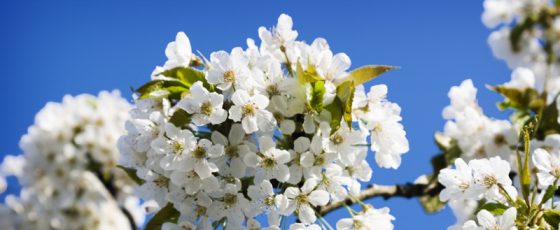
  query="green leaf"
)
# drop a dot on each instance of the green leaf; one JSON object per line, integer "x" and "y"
{"x": 366, "y": 73}
{"x": 335, "y": 108}
{"x": 174, "y": 88}
{"x": 494, "y": 208}
{"x": 186, "y": 75}
{"x": 166, "y": 214}
{"x": 549, "y": 193}
{"x": 548, "y": 122}
{"x": 345, "y": 92}
{"x": 317, "y": 93}
{"x": 180, "y": 118}
{"x": 521, "y": 100}
{"x": 552, "y": 217}
{"x": 132, "y": 174}
{"x": 307, "y": 76}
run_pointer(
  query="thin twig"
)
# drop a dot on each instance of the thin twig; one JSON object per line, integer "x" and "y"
{"x": 408, "y": 190}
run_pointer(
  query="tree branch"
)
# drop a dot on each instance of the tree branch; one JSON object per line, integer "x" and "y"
{"x": 408, "y": 190}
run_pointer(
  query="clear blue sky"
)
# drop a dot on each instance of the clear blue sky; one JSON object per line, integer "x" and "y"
{"x": 51, "y": 48}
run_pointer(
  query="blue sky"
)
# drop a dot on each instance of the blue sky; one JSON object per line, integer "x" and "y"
{"x": 48, "y": 49}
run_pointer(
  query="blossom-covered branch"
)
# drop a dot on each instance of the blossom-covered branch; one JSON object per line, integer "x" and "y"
{"x": 280, "y": 128}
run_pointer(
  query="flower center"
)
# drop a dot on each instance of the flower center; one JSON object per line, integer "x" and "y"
{"x": 319, "y": 160}
{"x": 232, "y": 151}
{"x": 350, "y": 170}
{"x": 555, "y": 172}
{"x": 500, "y": 140}
{"x": 229, "y": 76}
{"x": 480, "y": 152}
{"x": 248, "y": 110}
{"x": 377, "y": 128}
{"x": 489, "y": 181}
{"x": 464, "y": 185}
{"x": 206, "y": 108}
{"x": 302, "y": 199}
{"x": 200, "y": 210}
{"x": 357, "y": 224}
{"x": 177, "y": 147}
{"x": 268, "y": 162}
{"x": 199, "y": 152}
{"x": 272, "y": 90}
{"x": 230, "y": 199}
{"x": 337, "y": 139}
{"x": 269, "y": 201}
{"x": 161, "y": 182}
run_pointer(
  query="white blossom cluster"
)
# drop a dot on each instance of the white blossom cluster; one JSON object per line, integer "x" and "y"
{"x": 68, "y": 173}
{"x": 260, "y": 137}
{"x": 507, "y": 17}
{"x": 491, "y": 146}
{"x": 477, "y": 135}
{"x": 488, "y": 180}
{"x": 526, "y": 38}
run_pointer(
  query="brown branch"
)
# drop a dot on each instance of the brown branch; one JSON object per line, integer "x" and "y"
{"x": 408, "y": 190}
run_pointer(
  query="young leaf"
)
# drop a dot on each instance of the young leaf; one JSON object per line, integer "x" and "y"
{"x": 494, "y": 208}
{"x": 549, "y": 193}
{"x": 521, "y": 100}
{"x": 317, "y": 93}
{"x": 335, "y": 108}
{"x": 186, "y": 75}
{"x": 548, "y": 122}
{"x": 345, "y": 92}
{"x": 365, "y": 73}
{"x": 307, "y": 76}
{"x": 170, "y": 86}
{"x": 166, "y": 214}
{"x": 132, "y": 174}
{"x": 552, "y": 217}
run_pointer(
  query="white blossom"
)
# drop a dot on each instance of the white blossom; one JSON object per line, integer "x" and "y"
{"x": 548, "y": 166}
{"x": 371, "y": 218}
{"x": 271, "y": 160}
{"x": 491, "y": 174}
{"x": 506, "y": 221}
{"x": 206, "y": 107}
{"x": 305, "y": 199}
{"x": 251, "y": 111}
{"x": 458, "y": 182}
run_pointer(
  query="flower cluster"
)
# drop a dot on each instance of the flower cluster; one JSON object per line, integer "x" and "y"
{"x": 68, "y": 170}
{"x": 477, "y": 135}
{"x": 493, "y": 148}
{"x": 526, "y": 38}
{"x": 276, "y": 129}
{"x": 486, "y": 182}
